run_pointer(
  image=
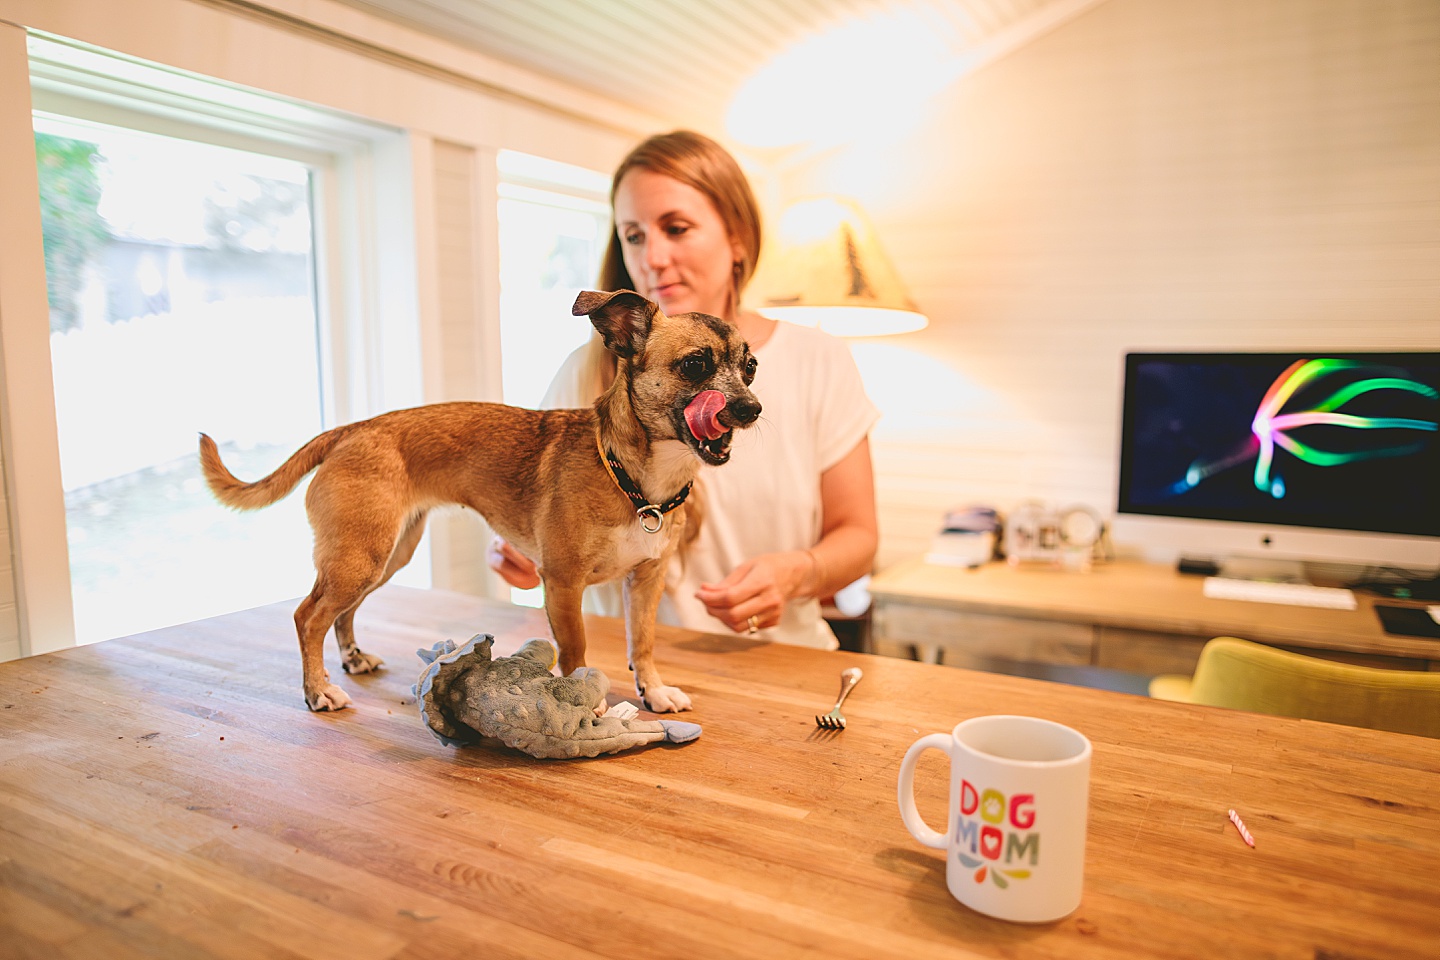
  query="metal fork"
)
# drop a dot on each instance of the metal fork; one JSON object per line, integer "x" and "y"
{"x": 835, "y": 720}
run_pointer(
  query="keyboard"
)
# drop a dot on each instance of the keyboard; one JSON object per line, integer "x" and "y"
{"x": 1294, "y": 594}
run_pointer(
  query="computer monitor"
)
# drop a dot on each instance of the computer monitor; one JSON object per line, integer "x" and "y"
{"x": 1318, "y": 456}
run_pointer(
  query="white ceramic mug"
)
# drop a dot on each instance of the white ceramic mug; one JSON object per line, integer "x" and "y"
{"x": 1019, "y": 798}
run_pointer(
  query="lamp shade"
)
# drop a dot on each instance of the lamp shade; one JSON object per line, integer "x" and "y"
{"x": 824, "y": 267}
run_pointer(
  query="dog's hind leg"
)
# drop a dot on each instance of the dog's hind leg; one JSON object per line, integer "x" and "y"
{"x": 355, "y": 540}
{"x": 352, "y": 658}
{"x": 643, "y": 587}
{"x": 339, "y": 588}
{"x": 312, "y": 621}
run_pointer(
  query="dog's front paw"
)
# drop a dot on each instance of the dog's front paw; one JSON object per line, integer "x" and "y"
{"x": 663, "y": 699}
{"x": 360, "y": 662}
{"x": 327, "y": 698}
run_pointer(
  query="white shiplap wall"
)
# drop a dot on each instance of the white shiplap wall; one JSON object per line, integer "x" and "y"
{"x": 463, "y": 195}
{"x": 1192, "y": 174}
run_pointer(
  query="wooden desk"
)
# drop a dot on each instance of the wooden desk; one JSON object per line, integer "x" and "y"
{"x": 1124, "y": 615}
{"x": 168, "y": 795}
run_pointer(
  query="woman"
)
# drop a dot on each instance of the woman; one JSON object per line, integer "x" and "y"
{"x": 791, "y": 517}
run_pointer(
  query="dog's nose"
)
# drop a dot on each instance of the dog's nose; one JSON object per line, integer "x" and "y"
{"x": 745, "y": 410}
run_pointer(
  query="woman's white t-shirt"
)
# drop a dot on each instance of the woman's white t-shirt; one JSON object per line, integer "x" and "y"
{"x": 767, "y": 498}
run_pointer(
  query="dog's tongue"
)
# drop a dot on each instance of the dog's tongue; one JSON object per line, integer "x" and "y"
{"x": 703, "y": 415}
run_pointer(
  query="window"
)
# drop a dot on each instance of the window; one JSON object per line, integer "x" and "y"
{"x": 215, "y": 259}
{"x": 180, "y": 278}
{"x": 554, "y": 223}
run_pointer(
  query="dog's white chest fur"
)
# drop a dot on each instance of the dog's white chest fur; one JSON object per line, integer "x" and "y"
{"x": 631, "y": 546}
{"x": 635, "y": 546}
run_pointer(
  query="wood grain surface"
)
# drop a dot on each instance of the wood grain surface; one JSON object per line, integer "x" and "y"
{"x": 168, "y": 795}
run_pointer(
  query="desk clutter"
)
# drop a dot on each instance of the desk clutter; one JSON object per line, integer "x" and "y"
{"x": 1073, "y": 536}
{"x": 968, "y": 537}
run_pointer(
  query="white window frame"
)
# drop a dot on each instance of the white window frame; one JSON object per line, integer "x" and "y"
{"x": 535, "y": 179}
{"x": 365, "y": 249}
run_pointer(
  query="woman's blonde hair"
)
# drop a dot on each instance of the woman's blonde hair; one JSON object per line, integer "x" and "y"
{"x": 696, "y": 161}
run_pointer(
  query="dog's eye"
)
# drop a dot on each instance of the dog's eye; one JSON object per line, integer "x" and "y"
{"x": 694, "y": 368}
{"x": 750, "y": 365}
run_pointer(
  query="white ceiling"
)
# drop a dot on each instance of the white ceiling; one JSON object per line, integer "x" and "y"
{"x": 684, "y": 60}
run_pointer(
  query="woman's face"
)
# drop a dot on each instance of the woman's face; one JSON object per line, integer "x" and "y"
{"x": 676, "y": 247}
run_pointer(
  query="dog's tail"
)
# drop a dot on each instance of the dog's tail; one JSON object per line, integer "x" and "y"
{"x": 236, "y": 493}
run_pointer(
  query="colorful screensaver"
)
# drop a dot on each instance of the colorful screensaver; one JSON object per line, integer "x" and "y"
{"x": 1350, "y": 441}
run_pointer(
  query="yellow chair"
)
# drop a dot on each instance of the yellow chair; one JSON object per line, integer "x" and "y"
{"x": 1248, "y": 676}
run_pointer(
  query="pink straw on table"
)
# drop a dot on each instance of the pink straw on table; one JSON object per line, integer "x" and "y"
{"x": 1240, "y": 825}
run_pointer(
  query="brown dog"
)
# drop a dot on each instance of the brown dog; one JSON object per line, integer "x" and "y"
{"x": 538, "y": 478}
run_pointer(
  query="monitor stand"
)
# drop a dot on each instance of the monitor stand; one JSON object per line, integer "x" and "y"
{"x": 1271, "y": 569}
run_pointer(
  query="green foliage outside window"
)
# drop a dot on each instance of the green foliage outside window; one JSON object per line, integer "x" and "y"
{"x": 70, "y": 216}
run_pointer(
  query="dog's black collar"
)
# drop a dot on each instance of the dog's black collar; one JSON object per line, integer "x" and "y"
{"x": 647, "y": 512}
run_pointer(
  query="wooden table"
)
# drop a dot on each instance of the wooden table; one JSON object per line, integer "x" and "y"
{"x": 1123, "y": 615}
{"x": 168, "y": 795}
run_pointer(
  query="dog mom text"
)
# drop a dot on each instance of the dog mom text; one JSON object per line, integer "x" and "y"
{"x": 991, "y": 825}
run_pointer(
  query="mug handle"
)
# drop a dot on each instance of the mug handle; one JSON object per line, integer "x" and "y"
{"x": 908, "y": 812}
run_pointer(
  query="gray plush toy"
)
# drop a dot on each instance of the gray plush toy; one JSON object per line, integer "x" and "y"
{"x": 465, "y": 696}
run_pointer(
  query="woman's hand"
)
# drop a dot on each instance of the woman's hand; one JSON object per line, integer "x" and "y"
{"x": 758, "y": 589}
{"x": 761, "y": 586}
{"x": 513, "y": 566}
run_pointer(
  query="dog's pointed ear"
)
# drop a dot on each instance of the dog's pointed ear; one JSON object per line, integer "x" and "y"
{"x": 622, "y": 317}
